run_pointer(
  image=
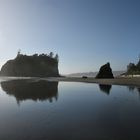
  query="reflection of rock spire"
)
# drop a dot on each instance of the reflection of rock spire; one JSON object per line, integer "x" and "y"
{"x": 132, "y": 88}
{"x": 138, "y": 91}
{"x": 105, "y": 88}
{"x": 29, "y": 89}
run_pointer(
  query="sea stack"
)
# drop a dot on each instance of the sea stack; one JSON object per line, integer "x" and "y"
{"x": 42, "y": 65}
{"x": 105, "y": 72}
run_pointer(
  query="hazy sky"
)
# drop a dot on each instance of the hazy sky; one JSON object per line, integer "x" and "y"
{"x": 85, "y": 33}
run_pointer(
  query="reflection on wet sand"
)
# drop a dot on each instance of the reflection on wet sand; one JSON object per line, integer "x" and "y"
{"x": 133, "y": 88}
{"x": 105, "y": 88}
{"x": 29, "y": 89}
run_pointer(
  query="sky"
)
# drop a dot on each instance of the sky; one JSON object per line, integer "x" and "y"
{"x": 85, "y": 33}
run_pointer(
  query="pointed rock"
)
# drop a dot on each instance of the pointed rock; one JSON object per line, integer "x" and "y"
{"x": 105, "y": 72}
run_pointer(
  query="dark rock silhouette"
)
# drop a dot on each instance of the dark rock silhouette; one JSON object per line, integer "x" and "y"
{"x": 105, "y": 72}
{"x": 31, "y": 89}
{"x": 84, "y": 77}
{"x": 105, "y": 88}
{"x": 33, "y": 66}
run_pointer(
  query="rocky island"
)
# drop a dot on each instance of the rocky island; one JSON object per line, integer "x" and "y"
{"x": 42, "y": 65}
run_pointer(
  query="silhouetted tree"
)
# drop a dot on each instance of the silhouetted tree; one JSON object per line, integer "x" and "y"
{"x": 42, "y": 54}
{"x": 133, "y": 69}
{"x": 56, "y": 57}
{"x": 18, "y": 53}
{"x": 51, "y": 54}
{"x": 35, "y": 55}
{"x": 138, "y": 65}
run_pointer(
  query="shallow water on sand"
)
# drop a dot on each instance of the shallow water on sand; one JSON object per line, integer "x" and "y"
{"x": 41, "y": 110}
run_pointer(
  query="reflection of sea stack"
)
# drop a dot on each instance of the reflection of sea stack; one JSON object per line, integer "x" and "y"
{"x": 105, "y": 72}
{"x": 29, "y": 89}
{"x": 105, "y": 88}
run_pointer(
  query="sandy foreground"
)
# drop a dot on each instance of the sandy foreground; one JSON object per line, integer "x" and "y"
{"x": 115, "y": 81}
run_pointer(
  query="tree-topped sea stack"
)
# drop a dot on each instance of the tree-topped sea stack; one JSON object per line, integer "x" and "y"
{"x": 42, "y": 65}
{"x": 105, "y": 72}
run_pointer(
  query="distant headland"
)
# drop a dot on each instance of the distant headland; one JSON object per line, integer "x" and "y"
{"x": 36, "y": 65}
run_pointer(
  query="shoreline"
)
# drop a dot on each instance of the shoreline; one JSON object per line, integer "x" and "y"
{"x": 116, "y": 81}
{"x": 127, "y": 81}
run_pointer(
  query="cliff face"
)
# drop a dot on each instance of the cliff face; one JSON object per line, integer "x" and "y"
{"x": 32, "y": 66}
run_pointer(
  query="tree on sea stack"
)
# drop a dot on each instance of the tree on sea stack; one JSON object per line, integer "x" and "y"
{"x": 18, "y": 53}
{"x": 133, "y": 69}
{"x": 105, "y": 72}
{"x": 51, "y": 54}
{"x": 56, "y": 57}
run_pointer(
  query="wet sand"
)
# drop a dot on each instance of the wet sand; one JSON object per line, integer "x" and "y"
{"x": 115, "y": 81}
